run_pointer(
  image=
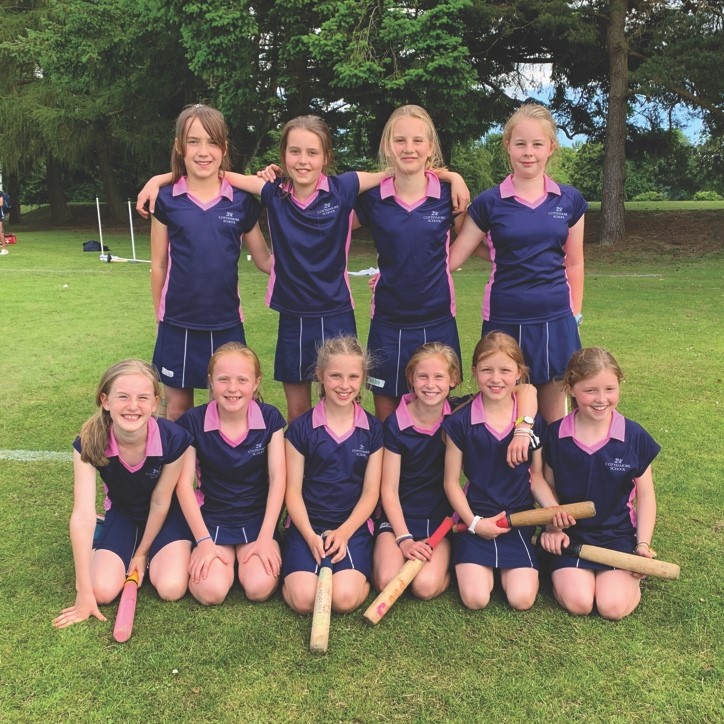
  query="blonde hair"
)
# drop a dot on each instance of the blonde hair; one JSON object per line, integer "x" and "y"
{"x": 386, "y": 155}
{"x": 342, "y": 345}
{"x": 96, "y": 431}
{"x": 586, "y": 363}
{"x": 500, "y": 342}
{"x": 244, "y": 351}
{"x": 213, "y": 123}
{"x": 435, "y": 349}
{"x": 315, "y": 125}
{"x": 535, "y": 112}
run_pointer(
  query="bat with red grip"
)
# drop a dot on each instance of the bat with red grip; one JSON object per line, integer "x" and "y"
{"x": 396, "y": 587}
{"x": 126, "y": 609}
{"x": 541, "y": 516}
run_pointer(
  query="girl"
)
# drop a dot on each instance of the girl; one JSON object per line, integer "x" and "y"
{"x": 309, "y": 216}
{"x": 412, "y": 494}
{"x": 334, "y": 461}
{"x": 477, "y": 437}
{"x": 413, "y": 497}
{"x": 196, "y": 234}
{"x": 410, "y": 215}
{"x": 533, "y": 228}
{"x": 139, "y": 460}
{"x": 596, "y": 454}
{"x": 238, "y": 458}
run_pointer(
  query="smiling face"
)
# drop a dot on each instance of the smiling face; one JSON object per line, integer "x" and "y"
{"x": 130, "y": 402}
{"x": 233, "y": 382}
{"x": 431, "y": 381}
{"x": 530, "y": 146}
{"x": 202, "y": 154}
{"x": 410, "y": 145}
{"x": 597, "y": 396}
{"x": 304, "y": 160}
{"x": 496, "y": 375}
{"x": 341, "y": 379}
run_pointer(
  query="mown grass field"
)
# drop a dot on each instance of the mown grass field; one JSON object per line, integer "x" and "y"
{"x": 656, "y": 303}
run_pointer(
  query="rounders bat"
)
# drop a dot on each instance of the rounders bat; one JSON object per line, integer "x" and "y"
{"x": 322, "y": 608}
{"x": 126, "y": 609}
{"x": 396, "y": 587}
{"x": 541, "y": 516}
{"x": 626, "y": 561}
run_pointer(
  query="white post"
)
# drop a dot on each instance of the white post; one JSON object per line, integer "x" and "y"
{"x": 130, "y": 223}
{"x": 100, "y": 230}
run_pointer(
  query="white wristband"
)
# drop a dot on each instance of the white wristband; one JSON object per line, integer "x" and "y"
{"x": 476, "y": 520}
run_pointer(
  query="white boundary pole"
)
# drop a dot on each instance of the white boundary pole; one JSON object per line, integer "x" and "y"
{"x": 100, "y": 230}
{"x": 130, "y": 224}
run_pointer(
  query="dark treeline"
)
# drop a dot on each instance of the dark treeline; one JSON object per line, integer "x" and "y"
{"x": 90, "y": 88}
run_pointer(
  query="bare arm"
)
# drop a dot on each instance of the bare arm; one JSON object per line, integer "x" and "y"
{"x": 645, "y": 513}
{"x": 263, "y": 546}
{"x": 369, "y": 180}
{"x": 149, "y": 193}
{"x": 295, "y": 502}
{"x": 467, "y": 241}
{"x": 160, "y": 503}
{"x": 82, "y": 525}
{"x": 336, "y": 542}
{"x": 258, "y": 249}
{"x": 574, "y": 264}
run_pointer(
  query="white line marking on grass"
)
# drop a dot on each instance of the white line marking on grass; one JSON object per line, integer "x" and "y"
{"x": 34, "y": 456}
{"x": 616, "y": 276}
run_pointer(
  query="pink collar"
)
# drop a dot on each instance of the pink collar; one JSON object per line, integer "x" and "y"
{"x": 154, "y": 448}
{"x": 181, "y": 187}
{"x": 616, "y": 430}
{"x": 319, "y": 416}
{"x": 507, "y": 189}
{"x": 477, "y": 410}
{"x": 254, "y": 417}
{"x": 404, "y": 418}
{"x": 387, "y": 186}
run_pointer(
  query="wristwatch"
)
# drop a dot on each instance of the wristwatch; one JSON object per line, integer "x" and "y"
{"x": 579, "y": 319}
{"x": 527, "y": 419}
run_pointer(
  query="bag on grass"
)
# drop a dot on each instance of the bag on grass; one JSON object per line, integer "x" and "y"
{"x": 93, "y": 245}
{"x": 10, "y": 239}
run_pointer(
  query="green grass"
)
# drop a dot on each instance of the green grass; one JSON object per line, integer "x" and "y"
{"x": 658, "y": 308}
{"x": 667, "y": 205}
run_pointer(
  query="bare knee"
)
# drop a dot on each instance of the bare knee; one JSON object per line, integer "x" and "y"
{"x": 575, "y": 604}
{"x": 475, "y": 600}
{"x": 430, "y": 588}
{"x": 171, "y": 590}
{"x": 209, "y": 593}
{"x": 348, "y": 600}
{"x": 616, "y": 608}
{"x": 105, "y": 592}
{"x": 522, "y": 600}
{"x": 298, "y": 600}
{"x": 258, "y": 591}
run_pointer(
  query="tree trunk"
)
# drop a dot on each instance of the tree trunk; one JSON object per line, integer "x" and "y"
{"x": 59, "y": 211}
{"x": 13, "y": 188}
{"x": 114, "y": 203}
{"x": 613, "y": 225}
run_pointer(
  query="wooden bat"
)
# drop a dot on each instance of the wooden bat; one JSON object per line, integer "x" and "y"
{"x": 126, "y": 609}
{"x": 626, "y": 561}
{"x": 541, "y": 516}
{"x": 319, "y": 639}
{"x": 396, "y": 587}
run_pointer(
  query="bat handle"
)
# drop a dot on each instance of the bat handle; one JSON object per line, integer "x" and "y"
{"x": 132, "y": 578}
{"x": 504, "y": 522}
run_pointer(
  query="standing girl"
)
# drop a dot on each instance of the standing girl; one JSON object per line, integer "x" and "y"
{"x": 334, "y": 462}
{"x": 139, "y": 460}
{"x": 196, "y": 234}
{"x": 533, "y": 229}
{"x": 597, "y": 454}
{"x": 413, "y": 498}
{"x": 477, "y": 439}
{"x": 410, "y": 215}
{"x": 238, "y": 459}
{"x": 309, "y": 214}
